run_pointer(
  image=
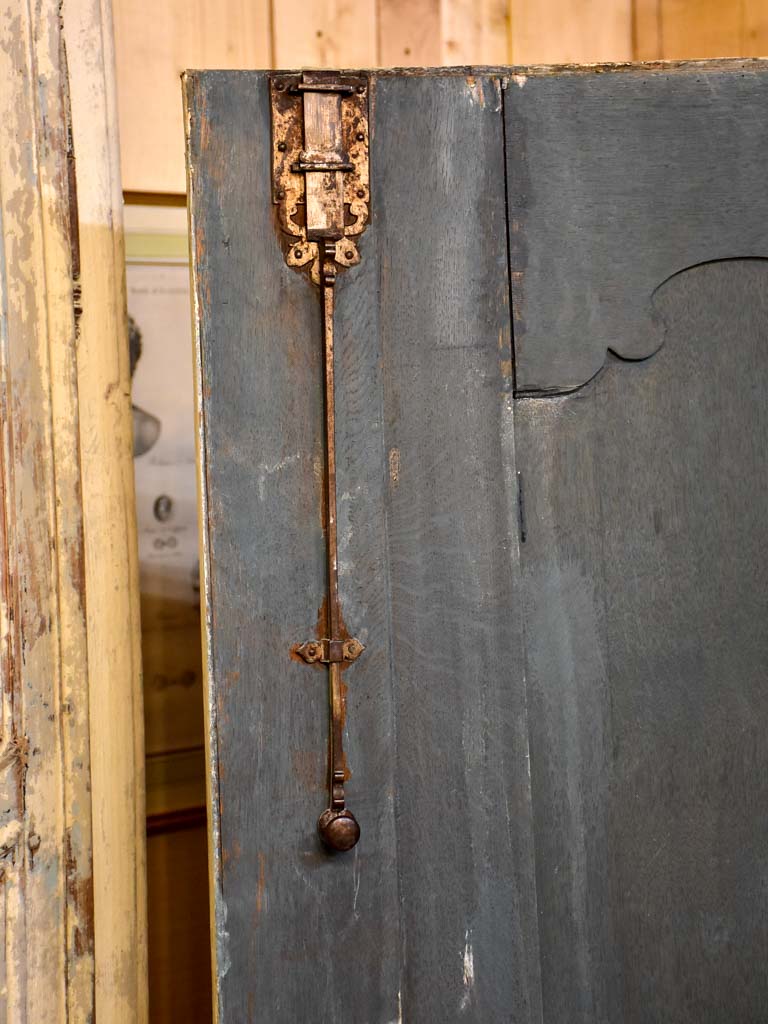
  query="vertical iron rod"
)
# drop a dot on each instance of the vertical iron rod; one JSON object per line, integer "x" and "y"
{"x": 336, "y": 752}
{"x": 337, "y": 826}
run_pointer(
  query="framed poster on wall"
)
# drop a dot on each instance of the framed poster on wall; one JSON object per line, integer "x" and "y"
{"x": 157, "y": 280}
{"x": 157, "y": 277}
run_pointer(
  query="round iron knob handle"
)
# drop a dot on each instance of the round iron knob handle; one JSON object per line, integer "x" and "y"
{"x": 338, "y": 829}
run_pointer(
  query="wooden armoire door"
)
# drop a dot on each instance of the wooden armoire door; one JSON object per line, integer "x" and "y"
{"x": 550, "y": 350}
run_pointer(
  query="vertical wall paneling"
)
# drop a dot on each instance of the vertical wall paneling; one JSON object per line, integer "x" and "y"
{"x": 646, "y": 30}
{"x": 684, "y": 29}
{"x": 324, "y": 33}
{"x": 409, "y": 33}
{"x": 474, "y": 32}
{"x": 155, "y": 42}
{"x": 570, "y": 31}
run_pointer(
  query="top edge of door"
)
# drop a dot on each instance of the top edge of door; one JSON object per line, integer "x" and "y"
{"x": 533, "y": 70}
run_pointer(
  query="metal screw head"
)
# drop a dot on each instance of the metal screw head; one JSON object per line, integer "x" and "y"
{"x": 281, "y": 193}
{"x": 361, "y": 193}
{"x": 311, "y": 648}
{"x": 279, "y": 87}
{"x": 349, "y": 254}
{"x": 339, "y": 830}
{"x": 352, "y": 647}
{"x": 360, "y": 136}
{"x": 298, "y": 254}
{"x": 361, "y": 88}
{"x": 281, "y": 146}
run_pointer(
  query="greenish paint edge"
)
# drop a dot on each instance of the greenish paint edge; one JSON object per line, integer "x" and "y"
{"x": 147, "y": 245}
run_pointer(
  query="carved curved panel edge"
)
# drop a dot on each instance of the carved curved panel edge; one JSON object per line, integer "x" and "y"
{"x": 642, "y": 345}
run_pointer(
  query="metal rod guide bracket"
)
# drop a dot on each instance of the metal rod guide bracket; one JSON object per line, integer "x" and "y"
{"x": 327, "y": 651}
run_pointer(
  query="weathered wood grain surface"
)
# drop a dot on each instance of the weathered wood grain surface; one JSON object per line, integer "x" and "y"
{"x": 71, "y": 780}
{"x": 46, "y": 886}
{"x": 645, "y": 567}
{"x": 298, "y": 932}
{"x": 615, "y": 873}
{"x": 110, "y": 554}
{"x": 422, "y": 920}
{"x": 617, "y": 182}
{"x": 465, "y": 859}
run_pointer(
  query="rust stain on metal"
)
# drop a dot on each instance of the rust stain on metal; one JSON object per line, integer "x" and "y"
{"x": 343, "y": 691}
{"x": 294, "y": 156}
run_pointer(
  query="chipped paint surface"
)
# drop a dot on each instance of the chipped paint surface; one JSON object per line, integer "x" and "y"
{"x": 266, "y": 470}
{"x": 44, "y": 746}
{"x": 468, "y": 970}
{"x": 220, "y": 960}
{"x": 484, "y": 90}
{"x": 475, "y": 90}
{"x": 46, "y": 647}
{"x": 111, "y": 563}
{"x": 356, "y": 882}
{"x": 394, "y": 466}
{"x": 399, "y": 1018}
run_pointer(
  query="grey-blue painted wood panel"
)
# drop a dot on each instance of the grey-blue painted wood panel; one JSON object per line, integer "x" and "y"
{"x": 617, "y": 182}
{"x": 432, "y": 917}
{"x": 638, "y": 211}
{"x": 557, "y": 746}
{"x": 646, "y": 591}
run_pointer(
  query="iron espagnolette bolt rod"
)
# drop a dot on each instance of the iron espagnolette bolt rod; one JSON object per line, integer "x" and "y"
{"x": 321, "y": 189}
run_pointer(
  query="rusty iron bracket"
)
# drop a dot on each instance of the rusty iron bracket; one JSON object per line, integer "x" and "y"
{"x": 321, "y": 188}
{"x": 320, "y": 165}
{"x": 327, "y": 651}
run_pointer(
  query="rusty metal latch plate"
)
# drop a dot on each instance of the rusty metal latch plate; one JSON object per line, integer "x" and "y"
{"x": 343, "y": 161}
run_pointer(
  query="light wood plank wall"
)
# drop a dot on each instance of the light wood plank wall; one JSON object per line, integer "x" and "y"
{"x": 157, "y": 39}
